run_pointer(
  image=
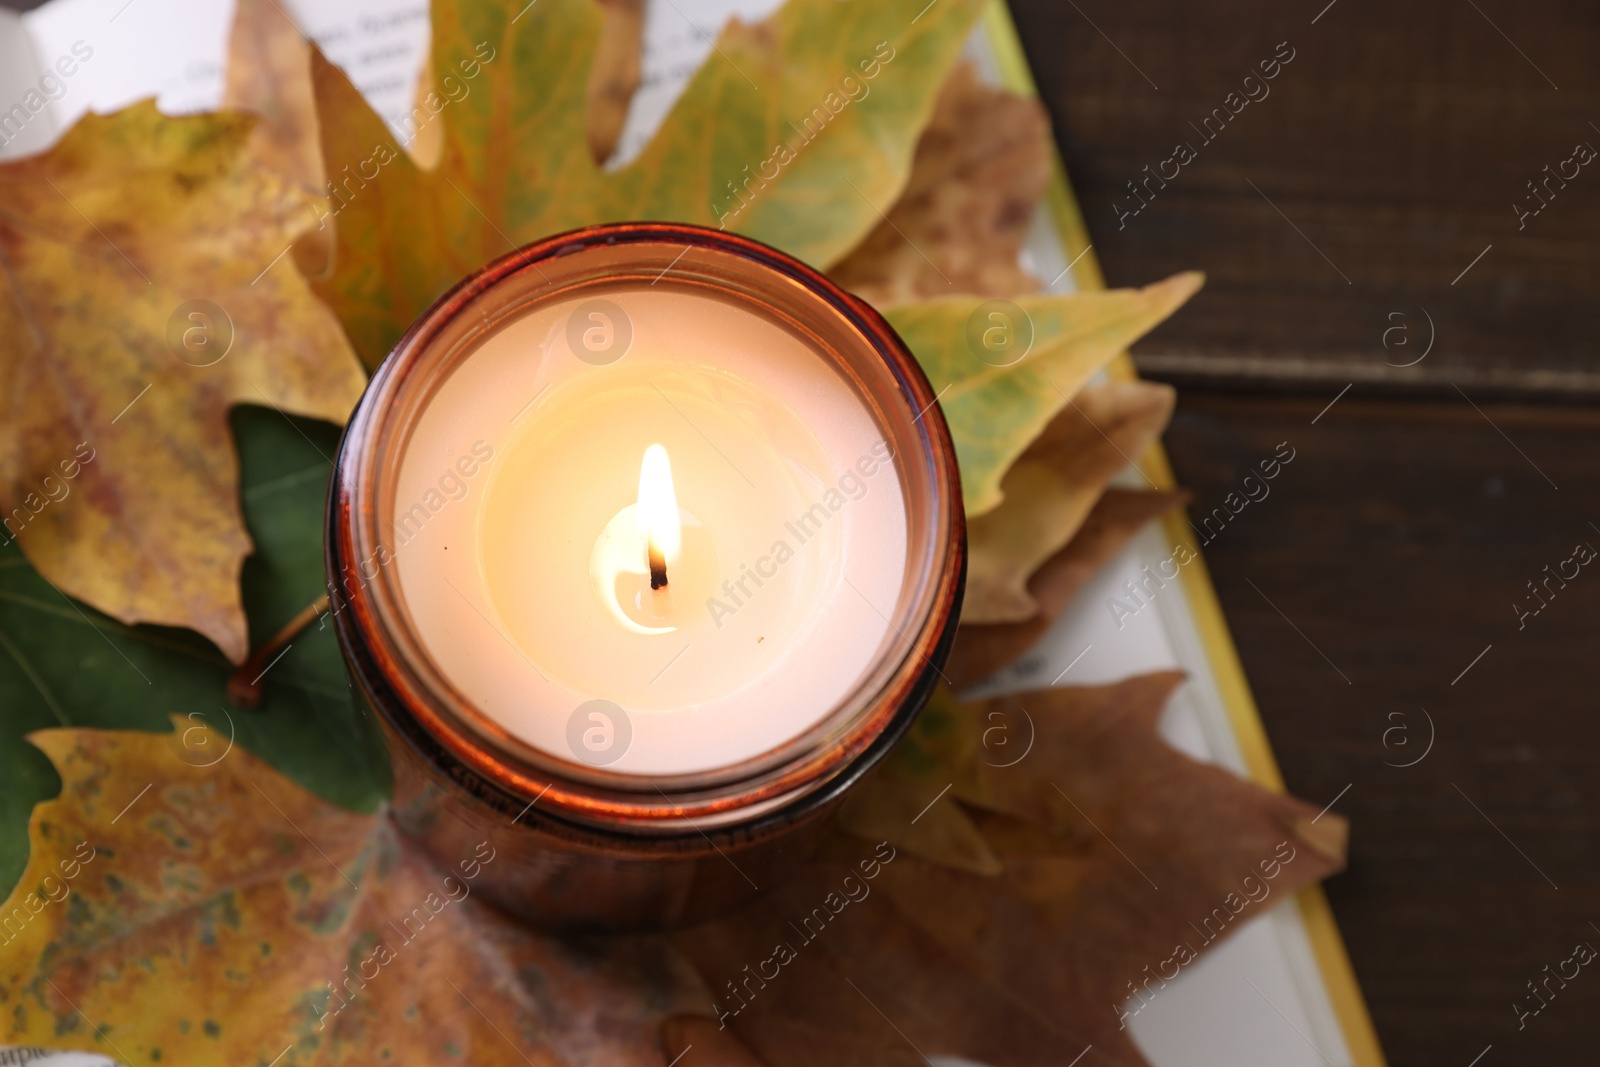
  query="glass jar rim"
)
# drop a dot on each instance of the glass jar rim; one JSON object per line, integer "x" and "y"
{"x": 404, "y": 682}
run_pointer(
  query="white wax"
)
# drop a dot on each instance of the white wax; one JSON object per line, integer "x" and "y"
{"x": 527, "y": 453}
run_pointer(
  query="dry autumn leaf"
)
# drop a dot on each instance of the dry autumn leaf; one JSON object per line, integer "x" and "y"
{"x": 717, "y": 1047}
{"x": 1119, "y": 514}
{"x": 888, "y": 805}
{"x": 795, "y": 131}
{"x": 615, "y": 74}
{"x": 1110, "y": 843}
{"x": 1049, "y": 490}
{"x": 996, "y": 409}
{"x": 427, "y": 137}
{"x": 1097, "y": 740}
{"x": 761, "y": 141}
{"x": 980, "y": 171}
{"x": 269, "y": 75}
{"x": 219, "y": 912}
{"x": 843, "y": 977}
{"x": 144, "y": 295}
{"x": 227, "y": 916}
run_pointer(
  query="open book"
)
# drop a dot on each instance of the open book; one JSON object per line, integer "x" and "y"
{"x": 72, "y": 56}
{"x": 1280, "y": 990}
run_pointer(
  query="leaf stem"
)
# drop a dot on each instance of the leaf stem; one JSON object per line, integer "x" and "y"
{"x": 244, "y": 688}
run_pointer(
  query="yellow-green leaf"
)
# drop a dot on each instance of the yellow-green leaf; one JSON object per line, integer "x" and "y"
{"x": 1050, "y": 490}
{"x": 996, "y": 411}
{"x": 798, "y": 131}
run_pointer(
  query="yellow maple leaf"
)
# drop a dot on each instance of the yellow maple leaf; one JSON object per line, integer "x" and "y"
{"x": 143, "y": 291}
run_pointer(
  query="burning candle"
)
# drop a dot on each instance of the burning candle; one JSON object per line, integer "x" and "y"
{"x": 645, "y": 544}
{"x": 706, "y": 534}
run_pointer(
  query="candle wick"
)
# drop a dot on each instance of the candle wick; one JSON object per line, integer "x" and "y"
{"x": 658, "y": 567}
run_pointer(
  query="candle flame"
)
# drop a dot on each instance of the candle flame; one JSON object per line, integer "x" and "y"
{"x": 660, "y": 528}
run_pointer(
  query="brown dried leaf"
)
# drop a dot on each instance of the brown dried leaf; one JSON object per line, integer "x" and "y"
{"x": 1050, "y": 489}
{"x": 862, "y": 985}
{"x": 909, "y": 958}
{"x": 982, "y": 649}
{"x": 980, "y": 170}
{"x": 714, "y": 1046}
{"x": 426, "y": 146}
{"x": 1100, "y": 742}
{"x": 615, "y": 74}
{"x": 889, "y": 807}
{"x": 269, "y": 75}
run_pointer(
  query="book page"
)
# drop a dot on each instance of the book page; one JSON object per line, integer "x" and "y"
{"x": 169, "y": 49}
{"x": 175, "y": 50}
{"x": 121, "y": 51}
{"x": 27, "y": 96}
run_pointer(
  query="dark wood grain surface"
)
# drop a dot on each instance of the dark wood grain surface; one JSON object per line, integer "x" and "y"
{"x": 1387, "y": 558}
{"x": 1371, "y": 172}
{"x": 1345, "y": 203}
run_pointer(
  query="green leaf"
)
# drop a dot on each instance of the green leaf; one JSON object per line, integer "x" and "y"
{"x": 798, "y": 131}
{"x": 995, "y": 412}
{"x": 65, "y": 664}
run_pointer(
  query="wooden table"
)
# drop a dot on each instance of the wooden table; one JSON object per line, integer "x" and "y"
{"x": 1372, "y": 593}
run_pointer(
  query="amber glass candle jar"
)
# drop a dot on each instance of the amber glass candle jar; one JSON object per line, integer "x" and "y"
{"x": 644, "y": 545}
